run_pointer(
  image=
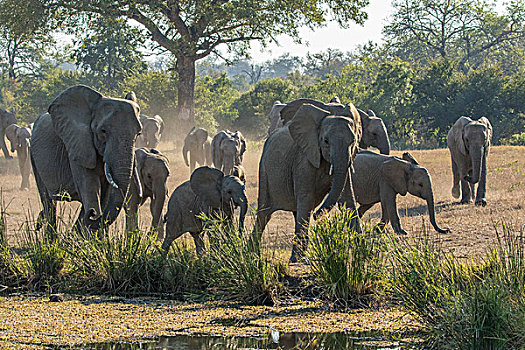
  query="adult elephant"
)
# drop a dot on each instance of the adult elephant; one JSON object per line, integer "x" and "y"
{"x": 304, "y": 161}
{"x": 198, "y": 144}
{"x": 153, "y": 170}
{"x": 469, "y": 144}
{"x": 6, "y": 119}
{"x": 152, "y": 127}
{"x": 83, "y": 150}
{"x": 374, "y": 132}
{"x": 19, "y": 137}
{"x": 227, "y": 149}
{"x": 379, "y": 178}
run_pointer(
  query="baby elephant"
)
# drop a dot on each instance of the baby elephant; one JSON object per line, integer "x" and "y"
{"x": 198, "y": 144}
{"x": 380, "y": 178}
{"x": 208, "y": 191}
{"x": 19, "y": 138}
{"x": 153, "y": 171}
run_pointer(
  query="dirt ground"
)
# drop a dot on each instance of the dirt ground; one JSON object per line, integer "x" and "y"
{"x": 472, "y": 227}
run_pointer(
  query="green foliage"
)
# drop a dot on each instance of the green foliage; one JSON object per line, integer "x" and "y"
{"x": 254, "y": 105}
{"x": 514, "y": 140}
{"x": 464, "y": 305}
{"x": 346, "y": 264}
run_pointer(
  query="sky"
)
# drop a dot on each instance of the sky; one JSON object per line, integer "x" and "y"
{"x": 330, "y": 36}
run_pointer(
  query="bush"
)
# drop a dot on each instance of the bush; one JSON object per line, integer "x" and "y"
{"x": 346, "y": 264}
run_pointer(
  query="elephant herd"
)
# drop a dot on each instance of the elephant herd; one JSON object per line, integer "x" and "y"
{"x": 101, "y": 152}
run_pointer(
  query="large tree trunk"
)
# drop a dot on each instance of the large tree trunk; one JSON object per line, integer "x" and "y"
{"x": 185, "y": 94}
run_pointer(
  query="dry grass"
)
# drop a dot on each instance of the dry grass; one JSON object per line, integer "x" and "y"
{"x": 472, "y": 227}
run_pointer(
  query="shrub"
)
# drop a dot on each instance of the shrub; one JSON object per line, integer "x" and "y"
{"x": 345, "y": 263}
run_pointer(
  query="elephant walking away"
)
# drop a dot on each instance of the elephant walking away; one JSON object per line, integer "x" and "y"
{"x": 198, "y": 144}
{"x": 379, "y": 178}
{"x": 209, "y": 191}
{"x": 83, "y": 150}
{"x": 153, "y": 172}
{"x": 469, "y": 144}
{"x": 6, "y": 119}
{"x": 227, "y": 149}
{"x": 308, "y": 158}
{"x": 20, "y": 137}
{"x": 152, "y": 127}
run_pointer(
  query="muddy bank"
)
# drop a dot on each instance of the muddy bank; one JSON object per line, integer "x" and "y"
{"x": 27, "y": 321}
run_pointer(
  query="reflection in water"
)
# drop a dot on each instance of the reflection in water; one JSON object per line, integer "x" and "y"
{"x": 307, "y": 341}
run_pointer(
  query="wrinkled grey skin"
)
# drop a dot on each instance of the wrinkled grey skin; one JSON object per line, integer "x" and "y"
{"x": 83, "y": 135}
{"x": 207, "y": 192}
{"x": 296, "y": 161}
{"x": 469, "y": 144}
{"x": 374, "y": 132}
{"x": 153, "y": 171}
{"x": 379, "y": 178}
{"x": 6, "y": 119}
{"x": 227, "y": 149}
{"x": 20, "y": 137}
{"x": 198, "y": 144}
{"x": 152, "y": 127}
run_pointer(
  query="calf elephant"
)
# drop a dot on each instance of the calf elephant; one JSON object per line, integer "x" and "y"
{"x": 198, "y": 144}
{"x": 469, "y": 144}
{"x": 152, "y": 127}
{"x": 153, "y": 172}
{"x": 6, "y": 119}
{"x": 379, "y": 178}
{"x": 207, "y": 192}
{"x": 227, "y": 149}
{"x": 83, "y": 150}
{"x": 19, "y": 137}
{"x": 304, "y": 161}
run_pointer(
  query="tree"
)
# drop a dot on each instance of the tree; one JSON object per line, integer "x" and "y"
{"x": 110, "y": 50}
{"x": 455, "y": 29}
{"x": 192, "y": 29}
{"x": 324, "y": 63}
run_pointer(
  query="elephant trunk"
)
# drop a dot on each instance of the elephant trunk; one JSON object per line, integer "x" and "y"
{"x": 475, "y": 154}
{"x": 228, "y": 163}
{"x": 432, "y": 215}
{"x": 244, "y": 210}
{"x": 185, "y": 151}
{"x": 118, "y": 168}
{"x": 157, "y": 204}
{"x": 383, "y": 142}
{"x": 339, "y": 164}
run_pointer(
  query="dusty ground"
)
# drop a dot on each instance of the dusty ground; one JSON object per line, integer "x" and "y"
{"x": 472, "y": 227}
{"x": 27, "y": 320}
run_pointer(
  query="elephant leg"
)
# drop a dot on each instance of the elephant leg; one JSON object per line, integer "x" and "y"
{"x": 389, "y": 210}
{"x": 46, "y": 217}
{"x": 482, "y": 186}
{"x": 465, "y": 192}
{"x": 132, "y": 208}
{"x": 456, "y": 179}
{"x": 172, "y": 233}
{"x": 198, "y": 239}
{"x": 364, "y": 208}
{"x": 26, "y": 172}
{"x": 192, "y": 163}
{"x": 4, "y": 147}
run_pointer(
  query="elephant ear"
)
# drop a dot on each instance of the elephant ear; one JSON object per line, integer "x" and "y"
{"x": 242, "y": 141}
{"x": 365, "y": 118}
{"x": 72, "y": 112}
{"x": 140, "y": 155}
{"x": 457, "y": 133}
{"x": 202, "y": 135}
{"x": 131, "y": 96}
{"x": 395, "y": 172}
{"x": 160, "y": 121}
{"x": 206, "y": 183}
{"x": 10, "y": 132}
{"x": 304, "y": 129}
{"x": 486, "y": 122}
{"x": 407, "y": 157}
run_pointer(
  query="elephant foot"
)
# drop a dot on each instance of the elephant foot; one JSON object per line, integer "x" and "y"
{"x": 402, "y": 232}
{"x": 482, "y": 202}
{"x": 465, "y": 201}
{"x": 455, "y": 191}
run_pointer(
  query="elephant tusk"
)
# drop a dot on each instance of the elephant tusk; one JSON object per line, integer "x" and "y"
{"x": 331, "y": 170}
{"x": 137, "y": 178}
{"x": 108, "y": 176}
